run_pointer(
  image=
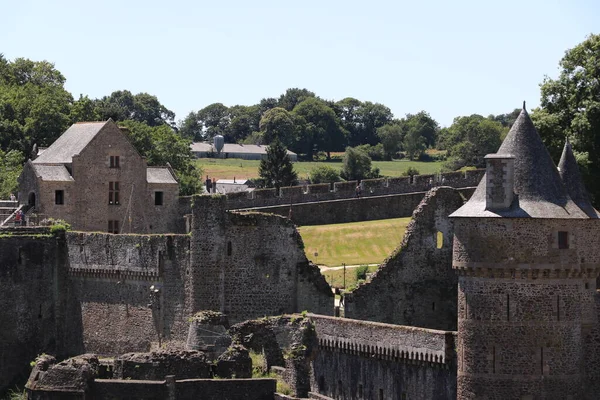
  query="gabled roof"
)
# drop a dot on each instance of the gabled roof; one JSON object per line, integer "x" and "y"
{"x": 231, "y": 148}
{"x": 160, "y": 175}
{"x": 56, "y": 173}
{"x": 571, "y": 178}
{"x": 70, "y": 143}
{"x": 539, "y": 190}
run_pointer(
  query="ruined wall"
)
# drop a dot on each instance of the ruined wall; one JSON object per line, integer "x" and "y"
{"x": 345, "y": 190}
{"x": 112, "y": 276}
{"x": 248, "y": 265}
{"x": 369, "y": 360}
{"x": 416, "y": 285}
{"x": 34, "y": 301}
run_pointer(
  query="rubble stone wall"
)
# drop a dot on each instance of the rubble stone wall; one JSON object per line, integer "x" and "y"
{"x": 416, "y": 285}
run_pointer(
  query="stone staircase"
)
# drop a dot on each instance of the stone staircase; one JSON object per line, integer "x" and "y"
{"x": 8, "y": 209}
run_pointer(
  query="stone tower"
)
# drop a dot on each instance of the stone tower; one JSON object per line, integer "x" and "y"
{"x": 527, "y": 255}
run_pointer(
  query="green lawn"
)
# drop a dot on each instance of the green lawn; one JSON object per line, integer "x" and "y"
{"x": 335, "y": 278}
{"x": 355, "y": 243}
{"x": 236, "y": 168}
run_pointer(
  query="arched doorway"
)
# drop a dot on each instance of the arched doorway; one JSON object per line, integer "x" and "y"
{"x": 31, "y": 200}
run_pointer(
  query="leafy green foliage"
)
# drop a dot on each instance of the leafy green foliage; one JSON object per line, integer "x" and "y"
{"x": 357, "y": 165}
{"x": 278, "y": 123}
{"x": 410, "y": 171}
{"x": 391, "y": 136}
{"x": 324, "y": 174}
{"x": 34, "y": 105}
{"x": 469, "y": 139}
{"x": 570, "y": 106}
{"x": 10, "y": 169}
{"x": 123, "y": 105}
{"x": 276, "y": 168}
{"x": 361, "y": 272}
{"x": 161, "y": 145}
{"x": 319, "y": 128}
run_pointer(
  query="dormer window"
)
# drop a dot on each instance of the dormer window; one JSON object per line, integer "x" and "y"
{"x": 563, "y": 240}
{"x": 114, "y": 162}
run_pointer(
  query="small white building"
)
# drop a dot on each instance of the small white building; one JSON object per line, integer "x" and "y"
{"x": 234, "y": 150}
{"x": 224, "y": 186}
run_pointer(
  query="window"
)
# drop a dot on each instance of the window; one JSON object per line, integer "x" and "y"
{"x": 158, "y": 198}
{"x": 114, "y": 162}
{"x": 59, "y": 197}
{"x": 113, "y": 192}
{"x": 563, "y": 240}
{"x": 113, "y": 226}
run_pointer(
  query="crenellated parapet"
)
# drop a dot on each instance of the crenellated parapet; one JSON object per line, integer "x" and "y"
{"x": 385, "y": 341}
{"x": 347, "y": 189}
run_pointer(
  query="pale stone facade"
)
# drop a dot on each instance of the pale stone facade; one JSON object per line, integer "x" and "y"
{"x": 93, "y": 178}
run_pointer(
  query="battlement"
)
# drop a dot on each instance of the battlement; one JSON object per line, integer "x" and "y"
{"x": 131, "y": 257}
{"x": 345, "y": 190}
{"x": 385, "y": 341}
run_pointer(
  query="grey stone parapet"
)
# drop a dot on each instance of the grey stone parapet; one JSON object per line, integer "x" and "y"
{"x": 385, "y": 341}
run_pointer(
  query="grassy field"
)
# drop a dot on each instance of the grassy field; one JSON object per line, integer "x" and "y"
{"x": 236, "y": 168}
{"x": 335, "y": 278}
{"x": 368, "y": 242}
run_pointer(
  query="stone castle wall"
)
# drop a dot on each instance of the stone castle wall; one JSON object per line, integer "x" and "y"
{"x": 370, "y": 360}
{"x": 112, "y": 276}
{"x": 345, "y": 190}
{"x": 416, "y": 285}
{"x": 251, "y": 264}
{"x": 524, "y": 306}
{"x": 35, "y": 301}
{"x": 352, "y": 209}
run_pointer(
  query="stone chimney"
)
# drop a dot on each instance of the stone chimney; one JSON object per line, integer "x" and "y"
{"x": 500, "y": 181}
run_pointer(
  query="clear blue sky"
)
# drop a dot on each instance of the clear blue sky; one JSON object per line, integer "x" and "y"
{"x": 449, "y": 58}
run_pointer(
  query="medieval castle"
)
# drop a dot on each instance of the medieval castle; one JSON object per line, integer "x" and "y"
{"x": 504, "y": 306}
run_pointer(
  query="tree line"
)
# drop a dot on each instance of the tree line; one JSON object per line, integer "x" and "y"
{"x": 36, "y": 108}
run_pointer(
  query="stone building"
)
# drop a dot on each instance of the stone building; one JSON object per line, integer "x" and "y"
{"x": 94, "y": 178}
{"x": 526, "y": 248}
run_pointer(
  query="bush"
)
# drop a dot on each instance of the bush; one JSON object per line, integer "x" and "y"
{"x": 357, "y": 165}
{"x": 411, "y": 171}
{"x": 324, "y": 174}
{"x": 375, "y": 152}
{"x": 361, "y": 272}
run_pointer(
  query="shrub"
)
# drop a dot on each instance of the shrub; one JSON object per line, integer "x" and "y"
{"x": 411, "y": 171}
{"x": 324, "y": 174}
{"x": 361, "y": 272}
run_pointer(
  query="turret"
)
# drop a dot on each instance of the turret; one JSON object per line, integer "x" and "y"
{"x": 527, "y": 260}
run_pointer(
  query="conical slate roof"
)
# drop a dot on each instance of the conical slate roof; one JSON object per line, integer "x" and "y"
{"x": 571, "y": 178}
{"x": 539, "y": 191}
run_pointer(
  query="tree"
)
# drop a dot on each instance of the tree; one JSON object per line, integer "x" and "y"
{"x": 324, "y": 174}
{"x": 122, "y": 105}
{"x": 11, "y": 165}
{"x": 84, "y": 109}
{"x": 161, "y": 145}
{"x": 34, "y": 106}
{"x": 357, "y": 165}
{"x": 370, "y": 117}
{"x": 292, "y": 97}
{"x": 243, "y": 121}
{"x": 276, "y": 168}
{"x": 207, "y": 123}
{"x": 319, "y": 127}
{"x": 348, "y": 112}
{"x": 469, "y": 139}
{"x": 570, "y": 107}
{"x": 278, "y": 123}
{"x": 391, "y": 136}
